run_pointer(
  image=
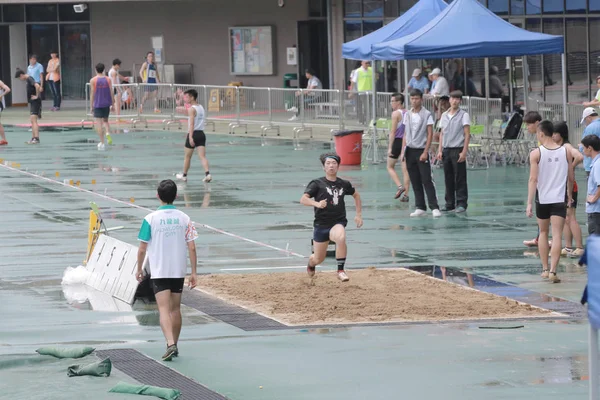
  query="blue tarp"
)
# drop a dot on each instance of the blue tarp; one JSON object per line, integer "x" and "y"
{"x": 411, "y": 21}
{"x": 467, "y": 29}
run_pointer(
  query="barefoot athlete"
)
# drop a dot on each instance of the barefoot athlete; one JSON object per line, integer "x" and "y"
{"x": 326, "y": 195}
{"x": 167, "y": 234}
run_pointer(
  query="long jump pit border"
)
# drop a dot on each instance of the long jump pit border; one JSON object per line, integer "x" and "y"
{"x": 373, "y": 297}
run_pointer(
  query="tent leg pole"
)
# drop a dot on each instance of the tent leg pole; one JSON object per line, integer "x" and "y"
{"x": 593, "y": 363}
{"x": 525, "y": 82}
{"x": 510, "y": 83}
{"x": 564, "y": 84}
{"x": 405, "y": 80}
{"x": 487, "y": 96}
{"x": 374, "y": 113}
{"x": 398, "y": 77}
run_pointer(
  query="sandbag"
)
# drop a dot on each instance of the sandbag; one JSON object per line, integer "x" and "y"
{"x": 146, "y": 390}
{"x": 61, "y": 352}
{"x": 101, "y": 368}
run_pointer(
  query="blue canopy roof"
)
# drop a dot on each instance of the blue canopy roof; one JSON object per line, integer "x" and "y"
{"x": 467, "y": 29}
{"x": 411, "y": 21}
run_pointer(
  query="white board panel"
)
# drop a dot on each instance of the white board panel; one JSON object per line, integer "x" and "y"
{"x": 112, "y": 267}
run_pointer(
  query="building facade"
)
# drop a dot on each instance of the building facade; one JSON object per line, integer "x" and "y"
{"x": 199, "y": 43}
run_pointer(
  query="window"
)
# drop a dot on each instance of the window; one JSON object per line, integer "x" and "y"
{"x": 406, "y": 5}
{"x": 577, "y": 60}
{"x": 552, "y": 63}
{"x": 578, "y": 6}
{"x": 533, "y": 7}
{"x": 555, "y": 6}
{"x": 371, "y": 26}
{"x": 534, "y": 64}
{"x": 594, "y": 6}
{"x": 67, "y": 13}
{"x": 594, "y": 26}
{"x": 498, "y": 6}
{"x": 352, "y": 30}
{"x": 14, "y": 13}
{"x": 517, "y": 7}
{"x": 41, "y": 13}
{"x": 372, "y": 8}
{"x": 353, "y": 8}
{"x": 390, "y": 9}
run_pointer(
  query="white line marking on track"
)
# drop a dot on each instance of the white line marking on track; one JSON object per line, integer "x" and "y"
{"x": 261, "y": 268}
{"x": 208, "y": 227}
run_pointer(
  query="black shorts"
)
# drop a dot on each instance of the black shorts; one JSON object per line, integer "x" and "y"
{"x": 321, "y": 233}
{"x": 545, "y": 211}
{"x": 35, "y": 107}
{"x": 175, "y": 285}
{"x": 102, "y": 112}
{"x": 199, "y": 140}
{"x": 396, "y": 149}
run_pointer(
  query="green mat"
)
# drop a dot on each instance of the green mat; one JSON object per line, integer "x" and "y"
{"x": 163, "y": 393}
{"x": 58, "y": 352}
{"x": 100, "y": 368}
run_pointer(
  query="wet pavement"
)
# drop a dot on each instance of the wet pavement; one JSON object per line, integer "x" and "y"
{"x": 250, "y": 220}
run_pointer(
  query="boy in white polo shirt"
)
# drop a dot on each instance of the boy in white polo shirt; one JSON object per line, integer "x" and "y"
{"x": 167, "y": 235}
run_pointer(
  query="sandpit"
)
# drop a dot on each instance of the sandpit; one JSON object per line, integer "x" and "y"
{"x": 372, "y": 295}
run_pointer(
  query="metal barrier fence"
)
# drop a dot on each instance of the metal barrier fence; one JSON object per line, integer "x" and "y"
{"x": 300, "y": 109}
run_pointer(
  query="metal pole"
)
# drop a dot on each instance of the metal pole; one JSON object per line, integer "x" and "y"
{"x": 564, "y": 85}
{"x": 510, "y": 86}
{"x": 406, "y": 79}
{"x": 593, "y": 363}
{"x": 465, "y": 80}
{"x": 398, "y": 77}
{"x": 487, "y": 95}
{"x": 374, "y": 113}
{"x": 525, "y": 83}
{"x": 330, "y": 43}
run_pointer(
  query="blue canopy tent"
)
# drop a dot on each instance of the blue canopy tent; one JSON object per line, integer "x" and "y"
{"x": 467, "y": 29}
{"x": 411, "y": 21}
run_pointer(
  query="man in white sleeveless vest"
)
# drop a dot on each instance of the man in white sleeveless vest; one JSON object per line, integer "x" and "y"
{"x": 454, "y": 145}
{"x": 418, "y": 133}
{"x": 551, "y": 184}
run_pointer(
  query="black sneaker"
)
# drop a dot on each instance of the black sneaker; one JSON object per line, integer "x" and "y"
{"x": 400, "y": 191}
{"x": 170, "y": 353}
{"x": 446, "y": 209}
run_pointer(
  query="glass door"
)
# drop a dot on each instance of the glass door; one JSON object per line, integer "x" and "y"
{"x": 76, "y": 59}
{"x": 41, "y": 40}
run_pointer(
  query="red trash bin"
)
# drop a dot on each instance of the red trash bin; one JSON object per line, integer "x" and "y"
{"x": 348, "y": 145}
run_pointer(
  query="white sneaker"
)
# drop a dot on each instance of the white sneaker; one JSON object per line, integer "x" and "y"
{"x": 436, "y": 213}
{"x": 181, "y": 177}
{"x": 207, "y": 178}
{"x": 101, "y": 146}
{"x": 419, "y": 213}
{"x": 293, "y": 109}
{"x": 294, "y": 118}
{"x": 342, "y": 276}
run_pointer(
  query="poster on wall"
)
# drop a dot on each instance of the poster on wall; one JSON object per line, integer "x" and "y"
{"x": 251, "y": 50}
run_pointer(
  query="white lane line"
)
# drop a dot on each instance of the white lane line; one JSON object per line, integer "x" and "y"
{"x": 208, "y": 227}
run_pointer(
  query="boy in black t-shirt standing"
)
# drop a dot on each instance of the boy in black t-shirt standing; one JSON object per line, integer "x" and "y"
{"x": 326, "y": 195}
{"x": 35, "y": 104}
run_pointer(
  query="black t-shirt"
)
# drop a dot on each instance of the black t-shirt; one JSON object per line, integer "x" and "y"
{"x": 30, "y": 88}
{"x": 333, "y": 192}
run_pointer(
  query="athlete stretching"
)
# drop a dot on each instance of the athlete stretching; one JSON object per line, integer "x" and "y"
{"x": 326, "y": 195}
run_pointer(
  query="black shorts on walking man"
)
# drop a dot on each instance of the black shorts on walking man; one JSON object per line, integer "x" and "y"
{"x": 454, "y": 140}
{"x": 418, "y": 133}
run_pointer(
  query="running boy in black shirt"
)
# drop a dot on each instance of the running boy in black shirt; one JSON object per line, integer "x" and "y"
{"x": 326, "y": 195}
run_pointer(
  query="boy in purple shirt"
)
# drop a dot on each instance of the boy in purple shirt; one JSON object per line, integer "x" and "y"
{"x": 101, "y": 100}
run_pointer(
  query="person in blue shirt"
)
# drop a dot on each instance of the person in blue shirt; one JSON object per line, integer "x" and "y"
{"x": 592, "y": 122}
{"x": 418, "y": 81}
{"x": 591, "y": 149}
{"x": 36, "y": 71}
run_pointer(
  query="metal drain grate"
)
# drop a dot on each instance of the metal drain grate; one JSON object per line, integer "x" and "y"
{"x": 229, "y": 313}
{"x": 150, "y": 372}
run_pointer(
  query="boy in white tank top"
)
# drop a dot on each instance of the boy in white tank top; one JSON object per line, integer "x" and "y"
{"x": 551, "y": 184}
{"x": 195, "y": 139}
